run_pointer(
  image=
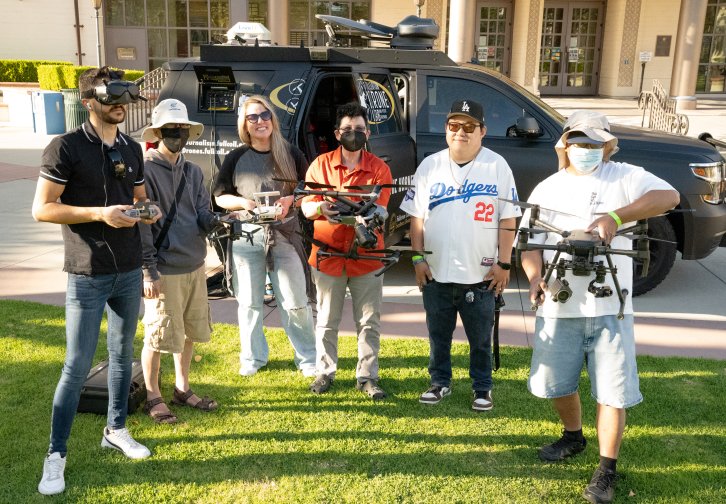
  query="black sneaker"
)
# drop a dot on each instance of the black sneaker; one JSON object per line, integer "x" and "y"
{"x": 321, "y": 384}
{"x": 371, "y": 388}
{"x": 434, "y": 395}
{"x": 602, "y": 487}
{"x": 482, "y": 400}
{"x": 561, "y": 449}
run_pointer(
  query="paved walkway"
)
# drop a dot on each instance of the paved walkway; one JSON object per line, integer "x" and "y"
{"x": 684, "y": 316}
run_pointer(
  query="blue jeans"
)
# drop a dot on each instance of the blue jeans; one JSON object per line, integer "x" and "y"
{"x": 288, "y": 282}
{"x": 86, "y": 297}
{"x": 442, "y": 302}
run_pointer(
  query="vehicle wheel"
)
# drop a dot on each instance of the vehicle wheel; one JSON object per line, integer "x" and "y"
{"x": 662, "y": 256}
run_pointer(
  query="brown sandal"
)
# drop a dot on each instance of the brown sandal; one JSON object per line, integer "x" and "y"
{"x": 159, "y": 417}
{"x": 204, "y": 404}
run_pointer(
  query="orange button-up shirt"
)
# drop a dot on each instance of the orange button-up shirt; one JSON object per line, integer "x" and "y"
{"x": 329, "y": 169}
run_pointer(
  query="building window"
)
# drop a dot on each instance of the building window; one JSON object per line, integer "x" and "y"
{"x": 174, "y": 28}
{"x": 304, "y": 27}
{"x": 712, "y": 64}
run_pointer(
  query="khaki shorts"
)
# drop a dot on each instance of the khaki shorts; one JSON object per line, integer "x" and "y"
{"x": 181, "y": 311}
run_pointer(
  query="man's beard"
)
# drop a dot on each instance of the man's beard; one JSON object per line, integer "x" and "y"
{"x": 109, "y": 119}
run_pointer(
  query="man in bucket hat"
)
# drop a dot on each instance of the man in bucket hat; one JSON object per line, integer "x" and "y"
{"x": 589, "y": 192}
{"x": 175, "y": 288}
{"x": 458, "y": 214}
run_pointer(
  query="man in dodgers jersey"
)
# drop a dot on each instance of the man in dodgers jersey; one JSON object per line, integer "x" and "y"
{"x": 457, "y": 214}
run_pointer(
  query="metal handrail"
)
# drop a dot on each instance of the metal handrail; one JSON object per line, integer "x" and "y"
{"x": 661, "y": 111}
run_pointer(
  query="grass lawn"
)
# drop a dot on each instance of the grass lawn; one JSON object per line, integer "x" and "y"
{"x": 273, "y": 441}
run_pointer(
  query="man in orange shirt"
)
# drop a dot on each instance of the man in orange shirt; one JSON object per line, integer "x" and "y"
{"x": 347, "y": 165}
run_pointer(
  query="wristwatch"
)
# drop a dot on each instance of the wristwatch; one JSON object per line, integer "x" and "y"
{"x": 504, "y": 266}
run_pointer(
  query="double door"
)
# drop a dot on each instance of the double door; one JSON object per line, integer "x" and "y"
{"x": 570, "y": 49}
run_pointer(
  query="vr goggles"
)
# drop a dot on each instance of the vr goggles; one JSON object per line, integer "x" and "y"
{"x": 115, "y": 92}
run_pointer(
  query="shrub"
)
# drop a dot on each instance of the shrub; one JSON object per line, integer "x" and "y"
{"x": 24, "y": 70}
{"x": 56, "y": 77}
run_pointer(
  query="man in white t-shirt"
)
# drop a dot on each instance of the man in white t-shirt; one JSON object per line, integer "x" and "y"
{"x": 596, "y": 195}
{"x": 458, "y": 214}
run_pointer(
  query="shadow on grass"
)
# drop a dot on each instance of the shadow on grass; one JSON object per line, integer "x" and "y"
{"x": 271, "y": 428}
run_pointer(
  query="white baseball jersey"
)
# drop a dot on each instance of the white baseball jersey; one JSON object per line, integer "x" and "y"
{"x": 587, "y": 197}
{"x": 461, "y": 209}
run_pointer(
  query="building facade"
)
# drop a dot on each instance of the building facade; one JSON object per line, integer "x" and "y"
{"x": 609, "y": 48}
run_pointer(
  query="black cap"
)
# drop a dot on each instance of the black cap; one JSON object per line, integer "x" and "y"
{"x": 468, "y": 108}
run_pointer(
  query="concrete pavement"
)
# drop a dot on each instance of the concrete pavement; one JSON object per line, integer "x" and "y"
{"x": 685, "y": 315}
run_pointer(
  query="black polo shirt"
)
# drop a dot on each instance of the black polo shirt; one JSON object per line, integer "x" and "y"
{"x": 79, "y": 160}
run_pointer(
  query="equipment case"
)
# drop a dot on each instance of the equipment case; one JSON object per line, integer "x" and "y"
{"x": 94, "y": 394}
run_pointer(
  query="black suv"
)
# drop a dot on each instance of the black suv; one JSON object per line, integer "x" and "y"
{"x": 408, "y": 94}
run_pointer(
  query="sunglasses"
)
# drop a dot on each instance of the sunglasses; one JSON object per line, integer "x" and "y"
{"x": 253, "y": 118}
{"x": 115, "y": 92}
{"x": 118, "y": 163}
{"x": 467, "y": 127}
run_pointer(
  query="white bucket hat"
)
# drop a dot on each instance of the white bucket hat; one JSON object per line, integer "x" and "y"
{"x": 170, "y": 111}
{"x": 581, "y": 126}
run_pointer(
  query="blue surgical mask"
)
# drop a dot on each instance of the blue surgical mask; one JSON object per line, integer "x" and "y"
{"x": 583, "y": 160}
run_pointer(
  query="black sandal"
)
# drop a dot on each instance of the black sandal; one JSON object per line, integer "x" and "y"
{"x": 158, "y": 416}
{"x": 205, "y": 403}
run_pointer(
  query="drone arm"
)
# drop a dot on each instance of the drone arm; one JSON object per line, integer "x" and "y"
{"x": 621, "y": 293}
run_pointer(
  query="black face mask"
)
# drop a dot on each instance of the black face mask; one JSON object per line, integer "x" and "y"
{"x": 353, "y": 140}
{"x": 174, "y": 138}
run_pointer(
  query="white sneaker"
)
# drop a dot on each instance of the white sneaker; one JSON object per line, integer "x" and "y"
{"x": 122, "y": 441}
{"x": 247, "y": 371}
{"x": 52, "y": 481}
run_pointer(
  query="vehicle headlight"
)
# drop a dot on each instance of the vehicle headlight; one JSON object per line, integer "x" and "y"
{"x": 715, "y": 175}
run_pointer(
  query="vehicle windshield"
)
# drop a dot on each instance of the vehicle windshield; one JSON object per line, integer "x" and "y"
{"x": 547, "y": 109}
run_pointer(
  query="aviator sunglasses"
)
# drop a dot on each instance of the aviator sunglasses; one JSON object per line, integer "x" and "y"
{"x": 467, "y": 127}
{"x": 253, "y": 118}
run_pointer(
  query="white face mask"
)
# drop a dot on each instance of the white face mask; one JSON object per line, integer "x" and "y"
{"x": 584, "y": 160}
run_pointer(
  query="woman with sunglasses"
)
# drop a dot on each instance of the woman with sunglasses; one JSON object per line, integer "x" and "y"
{"x": 277, "y": 248}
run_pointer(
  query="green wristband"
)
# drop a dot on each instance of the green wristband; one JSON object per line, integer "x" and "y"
{"x": 417, "y": 259}
{"x": 320, "y": 209}
{"x": 615, "y": 218}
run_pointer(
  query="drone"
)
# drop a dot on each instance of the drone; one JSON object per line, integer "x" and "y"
{"x": 358, "y": 210}
{"x": 583, "y": 247}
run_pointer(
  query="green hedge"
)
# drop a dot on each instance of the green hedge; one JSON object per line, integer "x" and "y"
{"x": 56, "y": 77}
{"x": 24, "y": 70}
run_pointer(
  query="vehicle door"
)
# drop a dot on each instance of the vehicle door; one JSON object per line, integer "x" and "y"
{"x": 389, "y": 140}
{"x": 530, "y": 158}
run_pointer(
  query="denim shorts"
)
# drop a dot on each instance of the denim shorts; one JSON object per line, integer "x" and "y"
{"x": 605, "y": 344}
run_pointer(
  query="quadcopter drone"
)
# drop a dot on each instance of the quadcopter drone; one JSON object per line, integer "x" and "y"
{"x": 233, "y": 227}
{"x": 358, "y": 210}
{"x": 583, "y": 247}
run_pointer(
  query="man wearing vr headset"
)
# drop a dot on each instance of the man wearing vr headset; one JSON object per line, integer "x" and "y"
{"x": 88, "y": 179}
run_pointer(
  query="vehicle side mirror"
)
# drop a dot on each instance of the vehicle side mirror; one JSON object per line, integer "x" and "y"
{"x": 527, "y": 127}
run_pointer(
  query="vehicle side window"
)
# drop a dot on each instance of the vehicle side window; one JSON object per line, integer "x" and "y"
{"x": 500, "y": 112}
{"x": 376, "y": 94}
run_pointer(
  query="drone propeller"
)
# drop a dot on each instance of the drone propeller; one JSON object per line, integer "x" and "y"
{"x": 400, "y": 252}
{"x": 311, "y": 185}
{"x": 370, "y": 187}
{"x": 525, "y": 230}
{"x": 524, "y": 204}
{"x": 646, "y": 237}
